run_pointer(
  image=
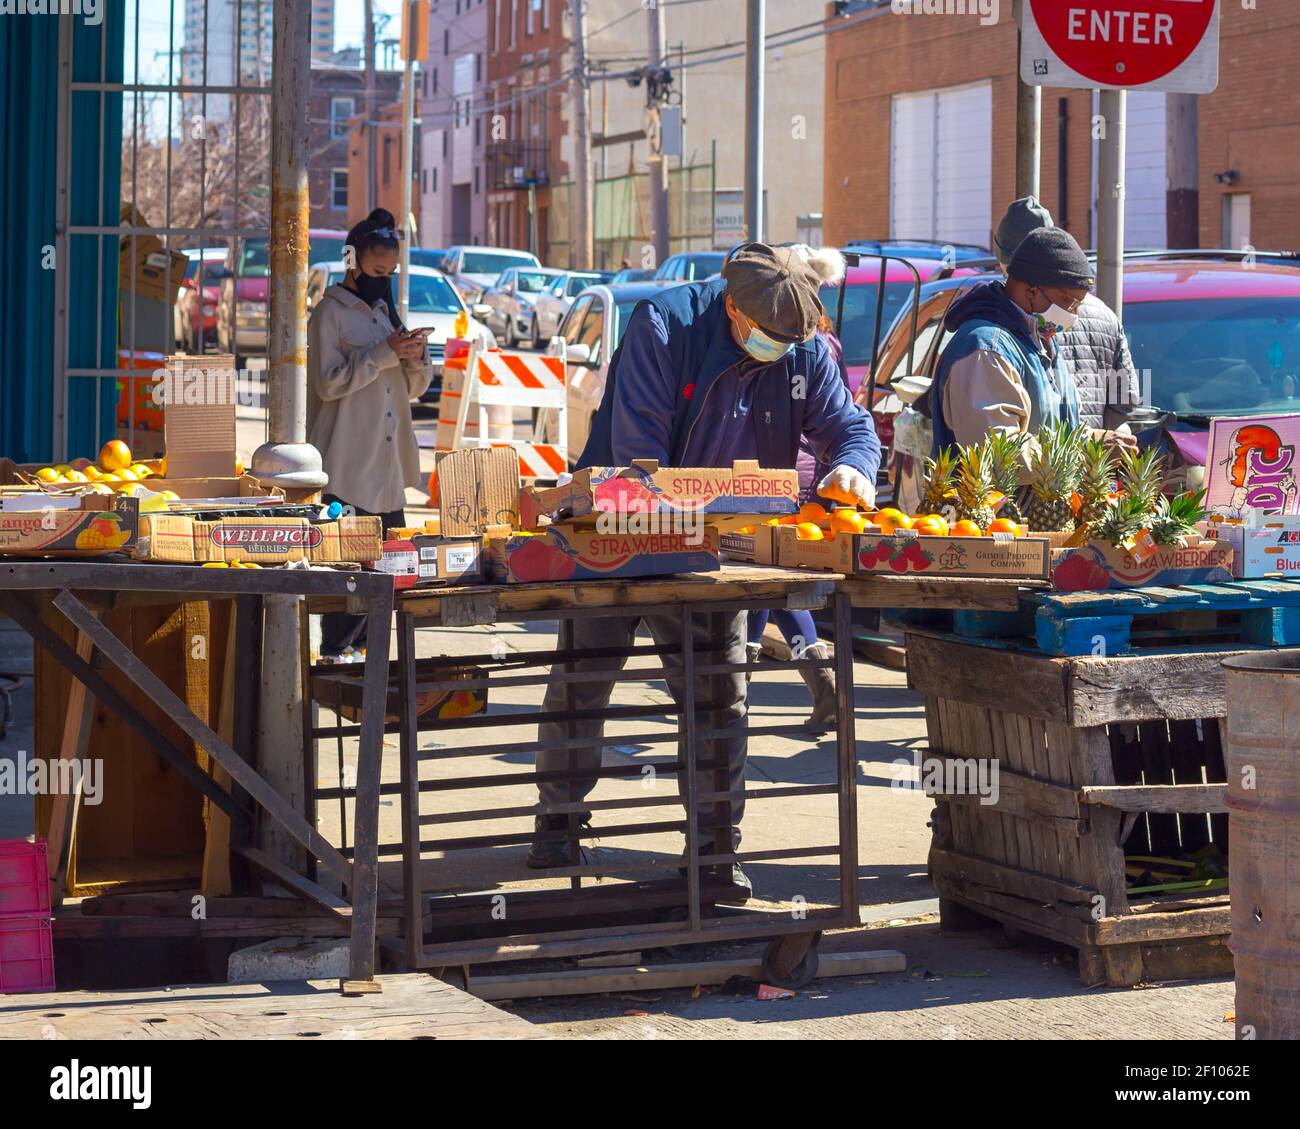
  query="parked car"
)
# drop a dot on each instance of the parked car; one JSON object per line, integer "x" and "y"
{"x": 510, "y": 300}
{"x": 592, "y": 329}
{"x": 691, "y": 266}
{"x": 1208, "y": 338}
{"x": 474, "y": 269}
{"x": 554, "y": 302}
{"x": 195, "y": 313}
{"x": 920, "y": 249}
{"x": 244, "y": 304}
{"x": 431, "y": 301}
{"x": 434, "y": 257}
{"x": 631, "y": 274}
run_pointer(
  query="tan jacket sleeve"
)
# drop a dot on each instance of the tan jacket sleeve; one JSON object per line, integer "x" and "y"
{"x": 337, "y": 370}
{"x": 419, "y": 375}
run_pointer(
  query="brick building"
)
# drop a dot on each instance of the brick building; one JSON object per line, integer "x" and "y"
{"x": 920, "y": 134}
{"x": 527, "y": 59}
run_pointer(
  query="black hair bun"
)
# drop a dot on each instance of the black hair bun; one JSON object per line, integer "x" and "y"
{"x": 382, "y": 217}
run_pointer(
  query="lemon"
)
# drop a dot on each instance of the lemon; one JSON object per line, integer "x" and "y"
{"x": 127, "y": 474}
{"x": 47, "y": 474}
{"x": 215, "y": 564}
{"x": 75, "y": 476}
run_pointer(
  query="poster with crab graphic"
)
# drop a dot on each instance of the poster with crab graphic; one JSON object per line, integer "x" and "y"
{"x": 1250, "y": 464}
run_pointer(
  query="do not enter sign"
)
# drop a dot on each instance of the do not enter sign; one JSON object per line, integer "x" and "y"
{"x": 1153, "y": 44}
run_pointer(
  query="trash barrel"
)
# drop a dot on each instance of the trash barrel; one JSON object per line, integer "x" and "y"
{"x": 1263, "y": 761}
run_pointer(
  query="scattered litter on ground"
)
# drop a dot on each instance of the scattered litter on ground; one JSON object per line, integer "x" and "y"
{"x": 767, "y": 992}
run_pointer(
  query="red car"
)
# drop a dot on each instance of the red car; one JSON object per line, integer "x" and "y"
{"x": 244, "y": 303}
{"x": 196, "y": 308}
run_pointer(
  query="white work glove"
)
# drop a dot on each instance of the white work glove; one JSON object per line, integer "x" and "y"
{"x": 850, "y": 486}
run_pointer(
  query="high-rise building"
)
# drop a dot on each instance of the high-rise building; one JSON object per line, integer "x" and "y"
{"x": 322, "y": 33}
{"x": 216, "y": 33}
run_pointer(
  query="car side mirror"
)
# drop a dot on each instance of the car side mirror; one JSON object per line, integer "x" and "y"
{"x": 578, "y": 354}
{"x": 480, "y": 310}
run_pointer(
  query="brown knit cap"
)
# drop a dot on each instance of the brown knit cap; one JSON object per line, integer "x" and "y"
{"x": 776, "y": 289}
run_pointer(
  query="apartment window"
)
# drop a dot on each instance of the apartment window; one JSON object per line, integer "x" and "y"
{"x": 435, "y": 179}
{"x": 478, "y": 66}
{"x": 546, "y": 14}
{"x": 444, "y": 142}
{"x": 1236, "y": 220}
{"x": 476, "y": 180}
{"x": 495, "y": 28}
{"x": 339, "y": 189}
{"x": 342, "y": 111}
{"x": 446, "y": 41}
{"x": 514, "y": 22}
{"x": 477, "y": 132}
{"x": 528, "y": 16}
{"x": 434, "y": 72}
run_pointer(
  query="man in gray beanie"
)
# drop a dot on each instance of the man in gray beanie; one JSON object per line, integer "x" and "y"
{"x": 1095, "y": 350}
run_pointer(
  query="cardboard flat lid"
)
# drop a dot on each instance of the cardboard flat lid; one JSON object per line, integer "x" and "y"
{"x": 478, "y": 487}
{"x": 199, "y": 416}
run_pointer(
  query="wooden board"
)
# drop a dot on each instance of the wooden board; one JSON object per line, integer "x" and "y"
{"x": 409, "y": 1007}
{"x": 937, "y": 592}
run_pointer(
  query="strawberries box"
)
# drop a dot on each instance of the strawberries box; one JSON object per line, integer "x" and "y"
{"x": 724, "y": 495}
{"x": 564, "y": 553}
{"x": 1099, "y": 565}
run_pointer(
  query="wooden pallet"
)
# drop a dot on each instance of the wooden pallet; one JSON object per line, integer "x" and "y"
{"x": 1247, "y": 613}
{"x": 1142, "y": 775}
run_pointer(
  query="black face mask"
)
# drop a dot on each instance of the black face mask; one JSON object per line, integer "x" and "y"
{"x": 372, "y": 287}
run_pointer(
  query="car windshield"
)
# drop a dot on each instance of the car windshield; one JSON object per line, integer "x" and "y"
{"x": 533, "y": 282}
{"x": 1220, "y": 356}
{"x": 324, "y": 249}
{"x": 859, "y": 325}
{"x": 256, "y": 260}
{"x": 432, "y": 294}
{"x": 482, "y": 262}
{"x": 577, "y": 282}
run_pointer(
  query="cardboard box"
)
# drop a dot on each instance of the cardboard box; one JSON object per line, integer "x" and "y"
{"x": 1098, "y": 566}
{"x": 264, "y": 540}
{"x": 739, "y": 492}
{"x": 33, "y": 523}
{"x": 1020, "y": 558}
{"x": 1263, "y": 546}
{"x": 757, "y": 547}
{"x": 478, "y": 490}
{"x": 563, "y": 553}
{"x": 199, "y": 416}
{"x": 423, "y": 560}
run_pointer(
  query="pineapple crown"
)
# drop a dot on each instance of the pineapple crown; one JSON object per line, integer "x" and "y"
{"x": 1142, "y": 473}
{"x": 1123, "y": 521}
{"x": 1176, "y": 517}
{"x": 1055, "y": 463}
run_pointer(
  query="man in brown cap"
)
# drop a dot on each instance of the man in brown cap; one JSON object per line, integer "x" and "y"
{"x": 707, "y": 373}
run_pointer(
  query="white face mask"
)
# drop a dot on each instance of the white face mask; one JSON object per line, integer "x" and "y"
{"x": 1058, "y": 318}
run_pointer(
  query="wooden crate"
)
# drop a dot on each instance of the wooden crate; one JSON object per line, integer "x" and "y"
{"x": 1077, "y": 743}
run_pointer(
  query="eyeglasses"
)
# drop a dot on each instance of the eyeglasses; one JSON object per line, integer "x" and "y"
{"x": 389, "y": 233}
{"x": 1069, "y": 305}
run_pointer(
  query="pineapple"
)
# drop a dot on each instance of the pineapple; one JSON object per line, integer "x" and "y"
{"x": 939, "y": 472}
{"x": 1176, "y": 517}
{"x": 1141, "y": 474}
{"x": 974, "y": 485}
{"x": 1096, "y": 482}
{"x": 1004, "y": 451}
{"x": 1123, "y": 521}
{"x": 1055, "y": 470}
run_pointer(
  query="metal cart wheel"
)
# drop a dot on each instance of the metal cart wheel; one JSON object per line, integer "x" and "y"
{"x": 784, "y": 966}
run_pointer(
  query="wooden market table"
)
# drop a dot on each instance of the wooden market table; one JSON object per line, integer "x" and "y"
{"x": 671, "y": 899}
{"x": 81, "y": 591}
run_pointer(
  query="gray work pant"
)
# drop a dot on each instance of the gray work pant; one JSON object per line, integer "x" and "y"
{"x": 726, "y": 691}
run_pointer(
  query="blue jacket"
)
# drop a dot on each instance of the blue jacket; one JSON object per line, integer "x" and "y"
{"x": 678, "y": 364}
{"x": 986, "y": 318}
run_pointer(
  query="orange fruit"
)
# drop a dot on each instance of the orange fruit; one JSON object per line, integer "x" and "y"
{"x": 890, "y": 520}
{"x": 1005, "y": 525}
{"x": 239, "y": 465}
{"x": 848, "y": 521}
{"x": 931, "y": 525}
{"x": 813, "y": 511}
{"x": 773, "y": 521}
{"x": 788, "y": 519}
{"x": 115, "y": 455}
{"x": 745, "y": 530}
{"x": 810, "y": 531}
{"x": 965, "y": 528}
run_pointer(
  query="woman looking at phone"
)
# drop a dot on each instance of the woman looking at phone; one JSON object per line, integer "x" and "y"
{"x": 363, "y": 369}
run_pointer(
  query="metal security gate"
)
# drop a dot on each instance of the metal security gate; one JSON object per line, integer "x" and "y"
{"x": 163, "y": 147}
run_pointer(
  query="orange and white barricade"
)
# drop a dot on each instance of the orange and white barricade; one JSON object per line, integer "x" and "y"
{"x": 478, "y": 403}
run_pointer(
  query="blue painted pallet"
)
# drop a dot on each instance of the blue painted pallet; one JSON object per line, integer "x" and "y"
{"x": 1249, "y": 613}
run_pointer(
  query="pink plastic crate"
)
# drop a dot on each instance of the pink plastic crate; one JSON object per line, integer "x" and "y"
{"x": 24, "y": 877}
{"x": 26, "y": 954}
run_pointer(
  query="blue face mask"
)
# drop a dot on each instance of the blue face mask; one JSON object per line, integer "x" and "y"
{"x": 762, "y": 348}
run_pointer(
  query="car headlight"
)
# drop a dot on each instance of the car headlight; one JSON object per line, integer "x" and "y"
{"x": 250, "y": 309}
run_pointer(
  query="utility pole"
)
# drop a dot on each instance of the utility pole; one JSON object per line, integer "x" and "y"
{"x": 1110, "y": 200}
{"x": 286, "y": 459}
{"x": 658, "y": 163}
{"x": 582, "y": 235}
{"x": 1029, "y": 128}
{"x": 1182, "y": 158}
{"x": 372, "y": 112}
{"x": 755, "y": 37}
{"x": 414, "y": 45}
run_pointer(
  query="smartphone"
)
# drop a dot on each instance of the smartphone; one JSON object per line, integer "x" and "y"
{"x": 422, "y": 333}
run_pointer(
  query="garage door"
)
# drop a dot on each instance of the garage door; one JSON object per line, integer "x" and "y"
{"x": 1144, "y": 170}
{"x": 941, "y": 164}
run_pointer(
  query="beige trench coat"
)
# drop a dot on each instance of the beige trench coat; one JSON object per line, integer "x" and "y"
{"x": 359, "y": 402}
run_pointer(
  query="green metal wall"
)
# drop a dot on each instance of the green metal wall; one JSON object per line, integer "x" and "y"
{"x": 29, "y": 74}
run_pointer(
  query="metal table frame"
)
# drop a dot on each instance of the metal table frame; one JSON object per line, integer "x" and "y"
{"x": 25, "y": 585}
{"x": 547, "y": 916}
